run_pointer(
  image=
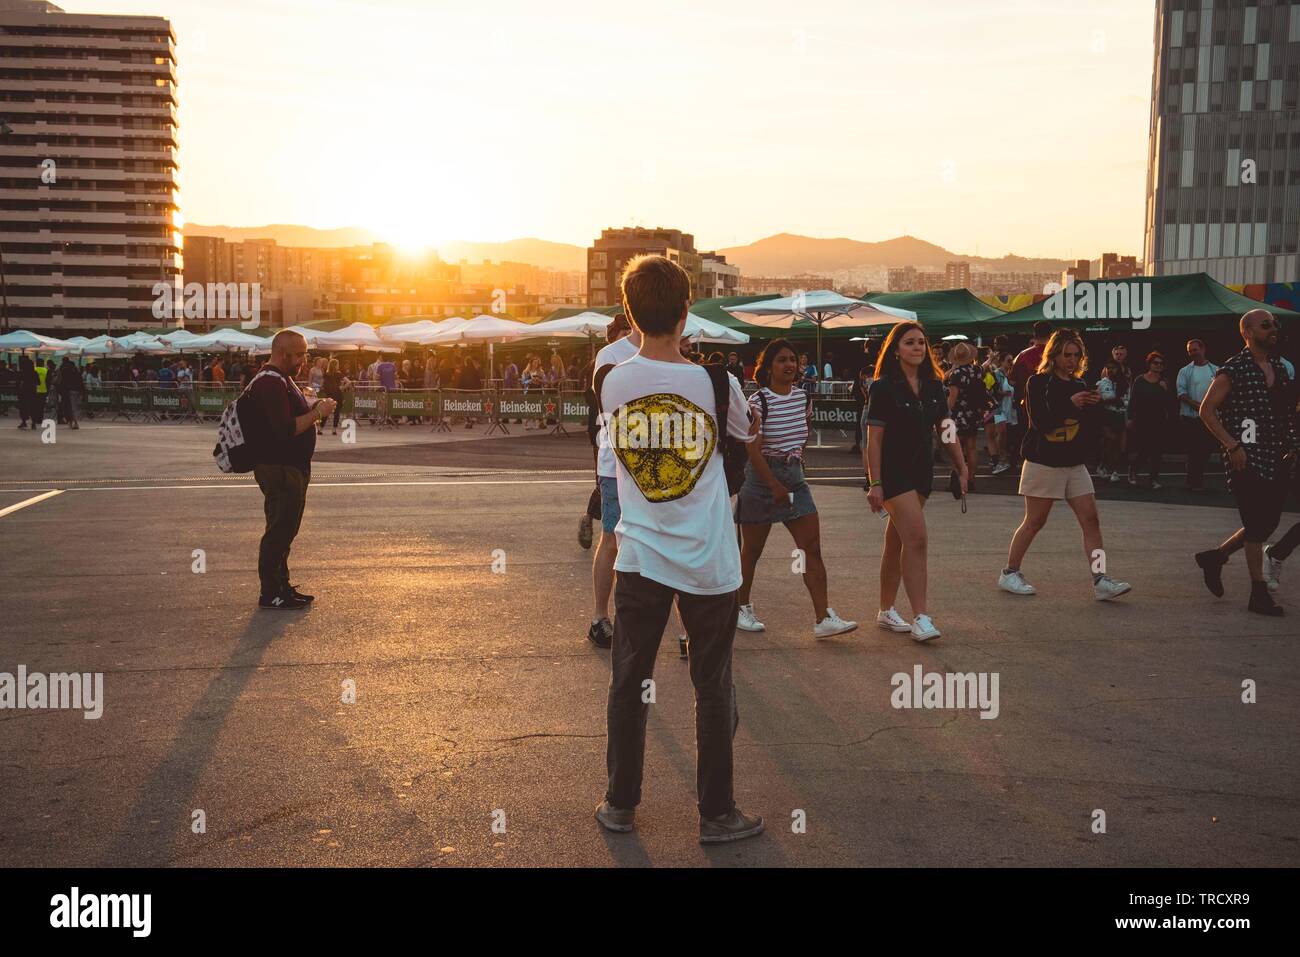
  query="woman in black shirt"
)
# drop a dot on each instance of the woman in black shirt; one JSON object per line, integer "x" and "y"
{"x": 332, "y": 388}
{"x": 1149, "y": 408}
{"x": 1064, "y": 432}
{"x": 907, "y": 405}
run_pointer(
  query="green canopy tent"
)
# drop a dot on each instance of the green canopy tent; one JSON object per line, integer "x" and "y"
{"x": 1192, "y": 303}
{"x": 942, "y": 312}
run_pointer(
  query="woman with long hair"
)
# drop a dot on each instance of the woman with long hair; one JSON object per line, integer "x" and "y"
{"x": 967, "y": 400}
{"x": 775, "y": 489}
{"x": 333, "y": 382}
{"x": 1004, "y": 414}
{"x": 905, "y": 409}
{"x": 1063, "y": 434}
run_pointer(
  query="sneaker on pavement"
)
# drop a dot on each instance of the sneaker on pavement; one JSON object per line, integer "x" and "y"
{"x": 293, "y": 590}
{"x": 893, "y": 621}
{"x": 682, "y": 648}
{"x": 832, "y": 625}
{"x": 1272, "y": 571}
{"x": 923, "y": 629}
{"x": 1107, "y": 588}
{"x": 285, "y": 602}
{"x": 601, "y": 633}
{"x": 1001, "y": 467}
{"x": 1155, "y": 486}
{"x": 746, "y": 621}
{"x": 617, "y": 819}
{"x": 1116, "y": 478}
{"x": 734, "y": 826}
{"x": 1015, "y": 583}
{"x": 584, "y": 531}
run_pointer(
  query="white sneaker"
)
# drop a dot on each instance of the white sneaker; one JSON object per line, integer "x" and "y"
{"x": 832, "y": 625}
{"x": 746, "y": 620}
{"x": 1272, "y": 571}
{"x": 923, "y": 629}
{"x": 893, "y": 621}
{"x": 1015, "y": 583}
{"x": 1108, "y": 588}
{"x": 1116, "y": 478}
{"x": 1001, "y": 467}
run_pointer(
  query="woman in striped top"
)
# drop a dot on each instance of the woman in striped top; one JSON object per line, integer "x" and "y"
{"x": 775, "y": 489}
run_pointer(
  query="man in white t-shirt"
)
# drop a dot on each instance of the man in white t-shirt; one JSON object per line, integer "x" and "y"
{"x": 1194, "y": 381}
{"x": 676, "y": 540}
{"x": 601, "y": 632}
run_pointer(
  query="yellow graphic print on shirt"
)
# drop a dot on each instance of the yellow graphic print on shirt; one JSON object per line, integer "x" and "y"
{"x": 664, "y": 441}
{"x": 1065, "y": 433}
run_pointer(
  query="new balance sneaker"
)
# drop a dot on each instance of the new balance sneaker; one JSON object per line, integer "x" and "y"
{"x": 832, "y": 625}
{"x": 617, "y": 819}
{"x": 746, "y": 621}
{"x": 1015, "y": 583}
{"x": 293, "y": 590}
{"x": 923, "y": 629}
{"x": 734, "y": 826}
{"x": 584, "y": 531}
{"x": 285, "y": 602}
{"x": 601, "y": 633}
{"x": 1107, "y": 588}
{"x": 1001, "y": 467}
{"x": 891, "y": 620}
{"x": 1272, "y": 571}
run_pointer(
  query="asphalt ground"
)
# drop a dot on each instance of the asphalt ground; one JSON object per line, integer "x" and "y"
{"x": 478, "y": 701}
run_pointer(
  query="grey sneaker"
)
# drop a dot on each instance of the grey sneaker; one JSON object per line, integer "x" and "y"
{"x": 615, "y": 819}
{"x": 734, "y": 826}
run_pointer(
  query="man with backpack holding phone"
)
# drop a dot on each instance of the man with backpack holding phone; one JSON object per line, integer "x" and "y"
{"x": 280, "y": 423}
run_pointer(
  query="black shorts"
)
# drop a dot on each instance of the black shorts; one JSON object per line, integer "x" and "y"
{"x": 1260, "y": 502}
{"x": 915, "y": 477}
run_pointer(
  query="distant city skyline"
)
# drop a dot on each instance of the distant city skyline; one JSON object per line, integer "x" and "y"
{"x": 1016, "y": 126}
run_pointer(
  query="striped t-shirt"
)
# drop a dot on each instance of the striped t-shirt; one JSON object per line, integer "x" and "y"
{"x": 785, "y": 427}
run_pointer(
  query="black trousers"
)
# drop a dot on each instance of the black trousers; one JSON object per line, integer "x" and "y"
{"x": 284, "y": 492}
{"x": 641, "y": 609}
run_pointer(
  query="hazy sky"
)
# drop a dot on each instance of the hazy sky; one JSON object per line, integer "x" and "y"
{"x": 987, "y": 126}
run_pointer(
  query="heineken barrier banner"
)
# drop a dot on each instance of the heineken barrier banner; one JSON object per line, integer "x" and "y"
{"x": 165, "y": 400}
{"x": 97, "y": 399}
{"x": 8, "y": 396}
{"x": 466, "y": 403}
{"x": 209, "y": 401}
{"x": 834, "y": 414}
{"x": 368, "y": 403}
{"x": 412, "y": 404}
{"x": 132, "y": 400}
{"x": 573, "y": 407}
{"x": 534, "y": 405}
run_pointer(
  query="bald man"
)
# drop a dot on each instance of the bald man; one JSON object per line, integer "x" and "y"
{"x": 1249, "y": 409}
{"x": 283, "y": 433}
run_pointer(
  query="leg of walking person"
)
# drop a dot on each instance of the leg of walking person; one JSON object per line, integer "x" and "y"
{"x": 891, "y": 566}
{"x": 807, "y": 535}
{"x": 1105, "y": 586}
{"x": 282, "y": 507}
{"x": 641, "y": 612}
{"x": 602, "y": 564}
{"x": 710, "y": 622}
{"x": 906, "y": 515}
{"x": 1036, "y": 512}
{"x": 1198, "y": 450}
{"x": 753, "y": 538}
{"x": 297, "y": 483}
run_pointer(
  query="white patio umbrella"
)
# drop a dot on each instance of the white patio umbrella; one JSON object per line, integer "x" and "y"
{"x": 482, "y": 329}
{"x": 226, "y": 339}
{"x": 706, "y": 330}
{"x": 359, "y": 335}
{"x": 822, "y": 307}
{"x": 583, "y": 324}
{"x": 100, "y": 346}
{"x": 178, "y": 337}
{"x": 407, "y": 331}
{"x": 24, "y": 341}
{"x": 141, "y": 342}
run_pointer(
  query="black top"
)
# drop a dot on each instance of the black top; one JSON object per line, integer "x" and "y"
{"x": 1149, "y": 403}
{"x": 1271, "y": 410}
{"x": 908, "y": 421}
{"x": 332, "y": 385}
{"x": 278, "y": 402}
{"x": 1060, "y": 433}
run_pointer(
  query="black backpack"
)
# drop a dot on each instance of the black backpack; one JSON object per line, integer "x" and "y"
{"x": 735, "y": 453}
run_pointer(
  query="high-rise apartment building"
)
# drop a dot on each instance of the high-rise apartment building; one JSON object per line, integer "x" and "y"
{"x": 88, "y": 197}
{"x": 718, "y": 277}
{"x": 957, "y": 275}
{"x": 607, "y": 256}
{"x": 1223, "y": 171}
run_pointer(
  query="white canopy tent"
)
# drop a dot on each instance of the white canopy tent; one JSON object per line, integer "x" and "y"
{"x": 357, "y": 336}
{"x": 24, "y": 341}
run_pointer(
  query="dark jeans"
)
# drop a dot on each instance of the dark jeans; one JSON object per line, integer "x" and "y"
{"x": 1260, "y": 503}
{"x": 641, "y": 609}
{"x": 1199, "y": 443}
{"x": 284, "y": 490}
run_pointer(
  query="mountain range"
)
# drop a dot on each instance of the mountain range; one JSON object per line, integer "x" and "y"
{"x": 785, "y": 254}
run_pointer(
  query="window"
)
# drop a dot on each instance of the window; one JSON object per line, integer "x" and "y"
{"x": 1294, "y": 35}
{"x": 1234, "y": 168}
{"x": 1188, "y": 168}
{"x": 1261, "y": 62}
{"x": 1176, "y": 29}
{"x": 1247, "y": 94}
{"x": 1248, "y": 29}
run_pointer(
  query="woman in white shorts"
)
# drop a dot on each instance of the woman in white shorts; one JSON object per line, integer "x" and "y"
{"x": 1064, "y": 430}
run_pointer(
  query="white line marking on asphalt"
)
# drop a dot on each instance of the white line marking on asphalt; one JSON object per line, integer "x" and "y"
{"x": 31, "y": 501}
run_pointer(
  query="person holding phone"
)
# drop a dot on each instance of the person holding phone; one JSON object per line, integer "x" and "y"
{"x": 775, "y": 489}
{"x": 1064, "y": 433}
{"x": 906, "y": 407}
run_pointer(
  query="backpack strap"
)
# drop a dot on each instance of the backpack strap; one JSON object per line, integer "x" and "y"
{"x": 721, "y": 397}
{"x": 762, "y": 401}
